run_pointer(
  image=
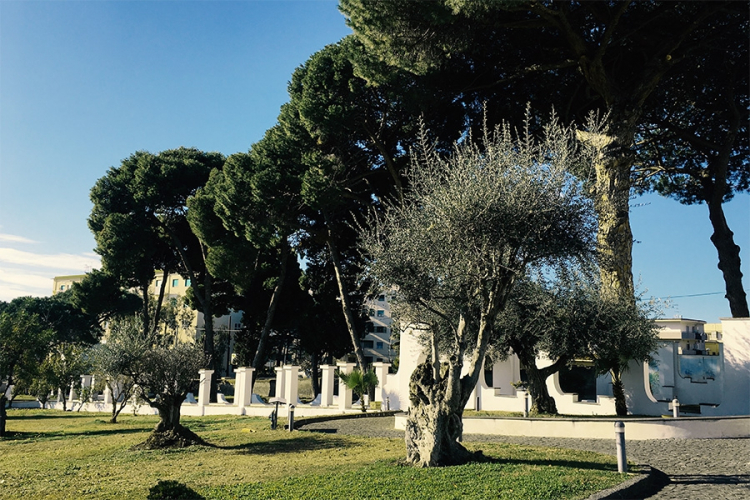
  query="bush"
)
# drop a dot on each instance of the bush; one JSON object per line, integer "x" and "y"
{"x": 172, "y": 490}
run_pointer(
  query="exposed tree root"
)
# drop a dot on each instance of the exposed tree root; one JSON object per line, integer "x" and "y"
{"x": 179, "y": 437}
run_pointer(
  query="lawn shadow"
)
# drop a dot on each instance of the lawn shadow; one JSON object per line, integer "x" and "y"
{"x": 298, "y": 444}
{"x": 16, "y": 435}
{"x": 66, "y": 414}
{"x": 575, "y": 464}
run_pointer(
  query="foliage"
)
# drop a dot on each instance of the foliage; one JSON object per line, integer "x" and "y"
{"x": 63, "y": 367}
{"x": 472, "y": 226}
{"x": 360, "y": 382}
{"x": 24, "y": 341}
{"x": 114, "y": 359}
{"x": 251, "y": 459}
{"x": 568, "y": 317}
{"x": 102, "y": 295}
{"x": 139, "y": 220}
{"x": 624, "y": 331}
{"x": 172, "y": 490}
{"x": 576, "y": 56}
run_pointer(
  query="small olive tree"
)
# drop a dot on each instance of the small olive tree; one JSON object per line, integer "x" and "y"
{"x": 115, "y": 358}
{"x": 470, "y": 227}
{"x": 162, "y": 374}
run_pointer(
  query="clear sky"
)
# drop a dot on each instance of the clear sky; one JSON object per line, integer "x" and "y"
{"x": 84, "y": 84}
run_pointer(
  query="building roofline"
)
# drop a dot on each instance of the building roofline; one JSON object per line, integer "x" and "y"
{"x": 679, "y": 320}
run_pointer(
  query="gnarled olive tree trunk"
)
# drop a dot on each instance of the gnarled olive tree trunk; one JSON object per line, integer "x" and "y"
{"x": 169, "y": 433}
{"x": 433, "y": 426}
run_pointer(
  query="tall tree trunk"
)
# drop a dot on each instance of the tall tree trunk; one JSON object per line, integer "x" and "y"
{"x": 344, "y": 296}
{"x": 314, "y": 369}
{"x": 260, "y": 353}
{"x": 729, "y": 258}
{"x": 611, "y": 202}
{"x": 3, "y": 414}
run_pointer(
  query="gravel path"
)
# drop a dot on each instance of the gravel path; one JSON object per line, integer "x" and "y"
{"x": 698, "y": 469}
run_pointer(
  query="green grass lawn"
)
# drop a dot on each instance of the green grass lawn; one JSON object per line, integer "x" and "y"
{"x": 52, "y": 454}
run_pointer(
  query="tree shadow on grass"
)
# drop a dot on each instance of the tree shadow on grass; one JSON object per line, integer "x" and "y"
{"x": 17, "y": 436}
{"x": 297, "y": 444}
{"x": 573, "y": 464}
{"x": 66, "y": 414}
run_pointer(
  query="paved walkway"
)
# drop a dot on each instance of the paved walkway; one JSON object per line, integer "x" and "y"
{"x": 698, "y": 469}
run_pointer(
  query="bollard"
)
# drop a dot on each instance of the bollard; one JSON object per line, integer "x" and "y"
{"x": 275, "y": 417}
{"x": 622, "y": 463}
{"x": 675, "y": 408}
{"x": 291, "y": 418}
{"x": 388, "y": 404}
{"x": 526, "y": 405}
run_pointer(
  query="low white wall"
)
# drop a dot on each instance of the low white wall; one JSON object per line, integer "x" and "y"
{"x": 635, "y": 429}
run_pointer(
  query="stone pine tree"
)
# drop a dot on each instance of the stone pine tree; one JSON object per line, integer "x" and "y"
{"x": 578, "y": 56}
{"x": 471, "y": 226}
{"x": 694, "y": 144}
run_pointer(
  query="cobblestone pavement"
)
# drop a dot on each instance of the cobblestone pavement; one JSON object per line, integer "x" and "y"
{"x": 698, "y": 469}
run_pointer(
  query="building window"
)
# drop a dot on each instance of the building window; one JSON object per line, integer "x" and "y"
{"x": 378, "y": 345}
{"x": 367, "y": 344}
{"x": 371, "y": 312}
{"x": 62, "y": 287}
{"x": 158, "y": 283}
{"x": 381, "y": 313}
{"x": 175, "y": 282}
{"x": 381, "y": 298}
{"x": 187, "y": 282}
{"x": 380, "y": 329}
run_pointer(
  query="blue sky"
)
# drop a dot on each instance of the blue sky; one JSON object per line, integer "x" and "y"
{"x": 85, "y": 84}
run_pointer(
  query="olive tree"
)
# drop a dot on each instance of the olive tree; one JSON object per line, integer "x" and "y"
{"x": 163, "y": 375}
{"x": 471, "y": 226}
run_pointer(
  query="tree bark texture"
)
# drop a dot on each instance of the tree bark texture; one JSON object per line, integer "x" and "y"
{"x": 611, "y": 203}
{"x": 169, "y": 433}
{"x": 729, "y": 260}
{"x": 433, "y": 426}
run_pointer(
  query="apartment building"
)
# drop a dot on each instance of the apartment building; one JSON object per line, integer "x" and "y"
{"x": 377, "y": 342}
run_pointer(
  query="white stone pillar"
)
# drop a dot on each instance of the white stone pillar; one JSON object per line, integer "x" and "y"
{"x": 243, "y": 386}
{"x": 87, "y": 381}
{"x": 291, "y": 381}
{"x": 204, "y": 389}
{"x": 345, "y": 394}
{"x": 107, "y": 395}
{"x": 326, "y": 384}
{"x": 381, "y": 371}
{"x": 72, "y": 394}
{"x": 279, "y": 393}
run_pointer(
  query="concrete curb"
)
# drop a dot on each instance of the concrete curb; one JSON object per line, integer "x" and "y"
{"x": 299, "y": 423}
{"x": 646, "y": 482}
